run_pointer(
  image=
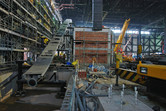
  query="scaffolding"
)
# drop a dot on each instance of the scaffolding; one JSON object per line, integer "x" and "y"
{"x": 23, "y": 23}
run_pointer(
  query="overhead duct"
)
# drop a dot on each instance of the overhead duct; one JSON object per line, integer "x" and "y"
{"x": 97, "y": 13}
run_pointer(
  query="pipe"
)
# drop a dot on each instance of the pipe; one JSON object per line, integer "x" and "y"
{"x": 91, "y": 85}
{"x": 83, "y": 94}
{"x": 95, "y": 95}
{"x": 79, "y": 101}
{"x": 84, "y": 103}
{"x": 95, "y": 104}
{"x": 32, "y": 82}
{"x": 76, "y": 105}
{"x": 40, "y": 82}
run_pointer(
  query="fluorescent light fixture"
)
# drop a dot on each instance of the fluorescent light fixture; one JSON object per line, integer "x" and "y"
{"x": 131, "y": 31}
{"x": 116, "y": 31}
{"x": 145, "y": 32}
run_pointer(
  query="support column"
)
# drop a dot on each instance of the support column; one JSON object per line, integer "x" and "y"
{"x": 109, "y": 48}
{"x": 139, "y": 37}
{"x": 165, "y": 37}
{"x": 20, "y": 91}
{"x": 139, "y": 47}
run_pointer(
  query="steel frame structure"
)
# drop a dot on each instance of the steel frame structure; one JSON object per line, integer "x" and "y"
{"x": 150, "y": 43}
{"x": 22, "y": 24}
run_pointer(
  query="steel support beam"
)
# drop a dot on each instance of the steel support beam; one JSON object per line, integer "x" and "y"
{"x": 165, "y": 37}
{"x": 139, "y": 37}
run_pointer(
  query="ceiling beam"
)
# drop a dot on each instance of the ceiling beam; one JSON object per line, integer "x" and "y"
{"x": 154, "y": 22}
{"x": 111, "y": 8}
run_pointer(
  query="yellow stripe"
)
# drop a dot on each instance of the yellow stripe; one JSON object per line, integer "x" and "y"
{"x": 124, "y": 72}
{"x": 0, "y": 94}
{"x": 118, "y": 71}
{"x": 4, "y": 76}
{"x": 142, "y": 82}
{"x": 135, "y": 78}
{"x": 7, "y": 95}
{"x": 129, "y": 75}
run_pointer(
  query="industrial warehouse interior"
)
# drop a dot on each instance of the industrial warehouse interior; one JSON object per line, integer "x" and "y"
{"x": 82, "y": 55}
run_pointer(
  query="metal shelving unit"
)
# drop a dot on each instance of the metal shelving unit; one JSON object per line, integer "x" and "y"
{"x": 22, "y": 26}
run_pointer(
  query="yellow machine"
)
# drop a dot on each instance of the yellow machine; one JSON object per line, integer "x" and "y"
{"x": 152, "y": 70}
{"x": 121, "y": 36}
{"x": 119, "y": 43}
{"x": 117, "y": 48}
{"x": 151, "y": 75}
{"x": 155, "y": 77}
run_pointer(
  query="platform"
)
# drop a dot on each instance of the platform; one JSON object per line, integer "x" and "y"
{"x": 114, "y": 104}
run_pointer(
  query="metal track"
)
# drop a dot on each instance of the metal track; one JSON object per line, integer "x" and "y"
{"x": 68, "y": 101}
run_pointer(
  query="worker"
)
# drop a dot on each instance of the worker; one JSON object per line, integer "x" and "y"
{"x": 76, "y": 64}
{"x": 46, "y": 41}
{"x": 61, "y": 54}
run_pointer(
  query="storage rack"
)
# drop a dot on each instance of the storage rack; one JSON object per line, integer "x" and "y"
{"x": 23, "y": 23}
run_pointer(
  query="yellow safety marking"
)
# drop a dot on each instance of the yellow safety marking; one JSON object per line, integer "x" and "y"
{"x": 129, "y": 75}
{"x": 0, "y": 94}
{"x": 124, "y": 72}
{"x": 4, "y": 76}
{"x": 135, "y": 78}
{"x": 118, "y": 71}
{"x": 6, "y": 96}
{"x": 142, "y": 82}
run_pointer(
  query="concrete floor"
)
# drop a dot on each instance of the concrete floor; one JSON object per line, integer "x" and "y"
{"x": 128, "y": 104}
{"x": 44, "y": 98}
{"x": 153, "y": 100}
{"x": 36, "y": 99}
{"x": 148, "y": 99}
